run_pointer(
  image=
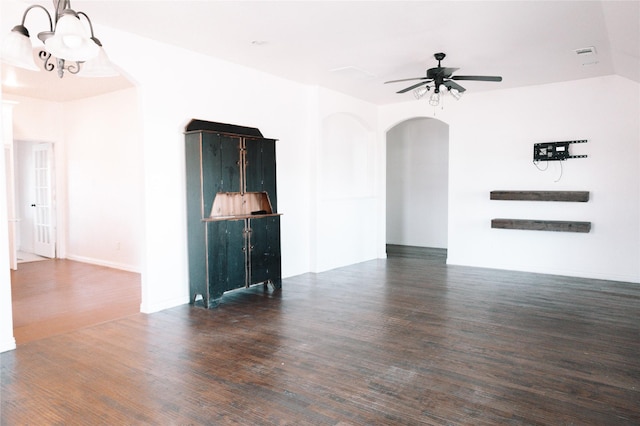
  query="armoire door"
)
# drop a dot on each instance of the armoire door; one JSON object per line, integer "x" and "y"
{"x": 260, "y": 168}
{"x": 220, "y": 167}
{"x": 265, "y": 250}
{"x": 226, "y": 261}
{"x": 212, "y": 166}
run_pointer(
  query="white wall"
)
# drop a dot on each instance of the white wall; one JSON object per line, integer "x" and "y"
{"x": 104, "y": 180}
{"x": 491, "y": 144}
{"x": 417, "y": 183}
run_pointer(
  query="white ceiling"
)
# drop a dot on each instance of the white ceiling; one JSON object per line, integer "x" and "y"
{"x": 355, "y": 46}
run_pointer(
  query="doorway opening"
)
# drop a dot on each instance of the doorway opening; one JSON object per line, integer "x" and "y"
{"x": 35, "y": 207}
{"x": 417, "y": 189}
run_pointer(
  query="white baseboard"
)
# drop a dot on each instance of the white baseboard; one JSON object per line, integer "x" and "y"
{"x": 101, "y": 262}
{"x": 149, "y": 308}
{"x": 555, "y": 271}
{"x": 8, "y": 345}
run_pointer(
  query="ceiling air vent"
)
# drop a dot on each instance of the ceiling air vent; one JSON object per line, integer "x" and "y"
{"x": 587, "y": 55}
{"x": 353, "y": 72}
{"x": 586, "y": 51}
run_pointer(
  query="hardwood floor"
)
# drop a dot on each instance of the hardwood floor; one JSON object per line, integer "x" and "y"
{"x": 402, "y": 341}
{"x": 57, "y": 296}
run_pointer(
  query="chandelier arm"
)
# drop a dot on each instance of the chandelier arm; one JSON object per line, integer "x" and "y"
{"x": 60, "y": 6}
{"x": 73, "y": 67}
{"x": 88, "y": 20}
{"x": 45, "y": 56}
{"x": 24, "y": 16}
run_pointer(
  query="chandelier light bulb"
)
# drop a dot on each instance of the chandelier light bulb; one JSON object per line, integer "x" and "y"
{"x": 420, "y": 92}
{"x": 456, "y": 94}
{"x": 434, "y": 100}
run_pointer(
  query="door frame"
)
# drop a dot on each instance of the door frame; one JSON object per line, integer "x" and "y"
{"x": 11, "y": 203}
{"x": 56, "y": 213}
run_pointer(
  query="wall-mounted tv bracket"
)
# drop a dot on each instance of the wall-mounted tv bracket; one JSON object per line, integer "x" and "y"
{"x": 554, "y": 151}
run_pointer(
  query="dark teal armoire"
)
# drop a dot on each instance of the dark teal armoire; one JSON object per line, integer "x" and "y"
{"x": 233, "y": 224}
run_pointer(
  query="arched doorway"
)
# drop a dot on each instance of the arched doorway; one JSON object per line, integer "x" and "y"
{"x": 417, "y": 185}
{"x": 93, "y": 197}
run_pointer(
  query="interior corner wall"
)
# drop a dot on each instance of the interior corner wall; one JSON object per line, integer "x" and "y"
{"x": 491, "y": 146}
{"x": 417, "y": 183}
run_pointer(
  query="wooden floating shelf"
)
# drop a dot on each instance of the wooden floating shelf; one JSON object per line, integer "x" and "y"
{"x": 542, "y": 225}
{"x": 575, "y": 196}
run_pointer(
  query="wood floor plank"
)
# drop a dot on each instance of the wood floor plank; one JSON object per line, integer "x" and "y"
{"x": 402, "y": 341}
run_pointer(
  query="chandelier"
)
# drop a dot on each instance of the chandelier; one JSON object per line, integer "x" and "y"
{"x": 68, "y": 46}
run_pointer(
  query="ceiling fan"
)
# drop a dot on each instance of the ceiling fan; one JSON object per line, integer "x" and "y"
{"x": 440, "y": 76}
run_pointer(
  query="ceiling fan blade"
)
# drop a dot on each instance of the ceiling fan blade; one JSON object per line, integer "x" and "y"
{"x": 405, "y": 79}
{"x": 477, "y": 77}
{"x": 453, "y": 85}
{"x": 446, "y": 72}
{"x": 414, "y": 86}
{"x": 441, "y": 71}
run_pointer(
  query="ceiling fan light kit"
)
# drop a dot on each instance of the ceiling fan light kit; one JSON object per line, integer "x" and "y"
{"x": 68, "y": 46}
{"x": 441, "y": 79}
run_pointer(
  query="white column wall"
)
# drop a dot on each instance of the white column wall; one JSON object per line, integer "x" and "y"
{"x": 7, "y": 341}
